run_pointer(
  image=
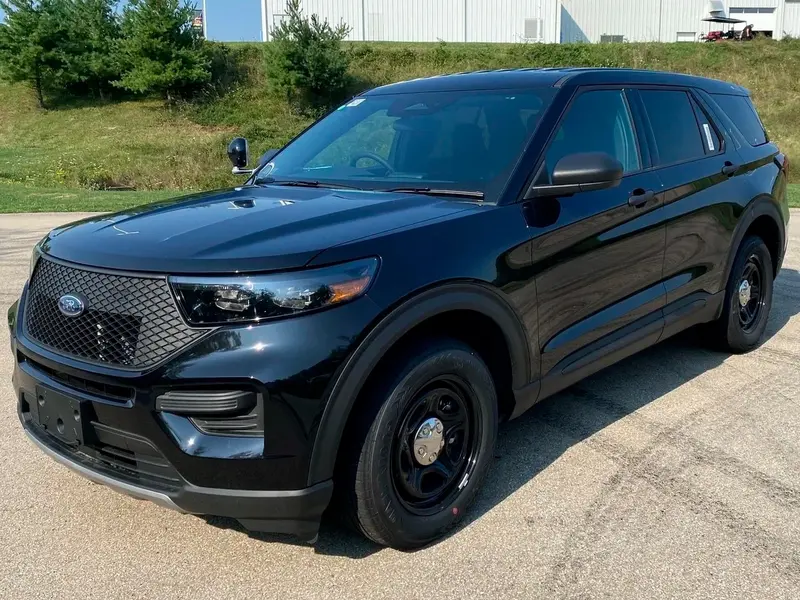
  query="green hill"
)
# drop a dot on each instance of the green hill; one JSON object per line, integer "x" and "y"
{"x": 139, "y": 144}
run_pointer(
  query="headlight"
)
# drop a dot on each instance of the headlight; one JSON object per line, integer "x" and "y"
{"x": 220, "y": 300}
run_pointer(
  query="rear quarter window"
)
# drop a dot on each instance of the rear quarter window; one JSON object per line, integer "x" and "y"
{"x": 741, "y": 111}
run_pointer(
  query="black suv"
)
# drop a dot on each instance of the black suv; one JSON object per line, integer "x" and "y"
{"x": 429, "y": 259}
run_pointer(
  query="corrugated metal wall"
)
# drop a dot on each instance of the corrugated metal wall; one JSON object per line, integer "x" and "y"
{"x": 505, "y": 20}
{"x": 647, "y": 20}
{"x": 434, "y": 20}
{"x": 415, "y": 20}
{"x": 791, "y": 19}
{"x": 588, "y": 21}
{"x": 684, "y": 17}
{"x": 530, "y": 20}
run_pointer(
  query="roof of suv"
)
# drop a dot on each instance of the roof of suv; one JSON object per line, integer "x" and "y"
{"x": 524, "y": 78}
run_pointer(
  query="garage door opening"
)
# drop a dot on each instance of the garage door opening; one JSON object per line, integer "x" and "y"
{"x": 762, "y": 19}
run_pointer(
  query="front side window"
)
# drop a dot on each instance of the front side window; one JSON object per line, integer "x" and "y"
{"x": 597, "y": 121}
{"x": 468, "y": 141}
{"x": 674, "y": 126}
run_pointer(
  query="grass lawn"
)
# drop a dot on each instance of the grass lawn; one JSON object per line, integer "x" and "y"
{"x": 16, "y": 198}
{"x": 794, "y": 195}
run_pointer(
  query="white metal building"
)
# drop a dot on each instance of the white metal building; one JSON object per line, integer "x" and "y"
{"x": 548, "y": 21}
{"x": 433, "y": 20}
{"x": 671, "y": 20}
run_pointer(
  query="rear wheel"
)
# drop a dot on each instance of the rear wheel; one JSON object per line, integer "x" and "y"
{"x": 748, "y": 298}
{"x": 421, "y": 448}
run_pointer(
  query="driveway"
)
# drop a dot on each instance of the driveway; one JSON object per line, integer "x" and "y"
{"x": 675, "y": 474}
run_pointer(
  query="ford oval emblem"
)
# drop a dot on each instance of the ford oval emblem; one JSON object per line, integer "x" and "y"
{"x": 71, "y": 305}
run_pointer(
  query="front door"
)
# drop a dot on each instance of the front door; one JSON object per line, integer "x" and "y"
{"x": 598, "y": 254}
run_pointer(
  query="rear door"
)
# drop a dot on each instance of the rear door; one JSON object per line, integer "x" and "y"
{"x": 599, "y": 254}
{"x": 703, "y": 196}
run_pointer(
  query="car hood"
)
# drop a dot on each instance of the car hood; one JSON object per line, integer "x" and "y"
{"x": 244, "y": 229}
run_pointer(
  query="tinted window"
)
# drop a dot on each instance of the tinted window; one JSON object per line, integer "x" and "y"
{"x": 456, "y": 140}
{"x": 741, "y": 111}
{"x": 597, "y": 121}
{"x": 674, "y": 126}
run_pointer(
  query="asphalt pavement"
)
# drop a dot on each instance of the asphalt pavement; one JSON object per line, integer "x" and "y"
{"x": 674, "y": 474}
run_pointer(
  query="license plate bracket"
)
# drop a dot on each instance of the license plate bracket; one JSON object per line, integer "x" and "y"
{"x": 60, "y": 416}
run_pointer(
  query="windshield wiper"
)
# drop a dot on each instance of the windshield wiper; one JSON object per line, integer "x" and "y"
{"x": 303, "y": 183}
{"x": 435, "y": 192}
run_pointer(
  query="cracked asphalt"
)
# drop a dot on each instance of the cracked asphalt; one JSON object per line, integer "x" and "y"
{"x": 674, "y": 474}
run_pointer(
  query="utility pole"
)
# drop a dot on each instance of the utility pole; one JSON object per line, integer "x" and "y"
{"x": 205, "y": 21}
{"x": 264, "y": 30}
{"x": 660, "y": 17}
{"x": 466, "y": 24}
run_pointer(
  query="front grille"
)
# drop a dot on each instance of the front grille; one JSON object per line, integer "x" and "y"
{"x": 129, "y": 321}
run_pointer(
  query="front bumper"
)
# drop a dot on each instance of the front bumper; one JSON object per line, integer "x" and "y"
{"x": 295, "y": 512}
{"x": 263, "y": 482}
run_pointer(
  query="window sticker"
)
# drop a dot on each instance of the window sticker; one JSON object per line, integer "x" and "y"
{"x": 709, "y": 139}
{"x": 352, "y": 103}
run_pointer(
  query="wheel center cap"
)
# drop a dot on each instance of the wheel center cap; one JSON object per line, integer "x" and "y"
{"x": 744, "y": 293}
{"x": 428, "y": 441}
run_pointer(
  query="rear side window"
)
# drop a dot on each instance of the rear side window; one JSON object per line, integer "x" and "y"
{"x": 672, "y": 118}
{"x": 743, "y": 114}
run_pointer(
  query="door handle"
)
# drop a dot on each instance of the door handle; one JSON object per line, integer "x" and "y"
{"x": 639, "y": 198}
{"x": 729, "y": 170}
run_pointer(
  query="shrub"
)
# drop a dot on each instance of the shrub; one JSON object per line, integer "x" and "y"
{"x": 308, "y": 62}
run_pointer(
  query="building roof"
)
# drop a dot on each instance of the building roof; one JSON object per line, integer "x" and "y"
{"x": 525, "y": 78}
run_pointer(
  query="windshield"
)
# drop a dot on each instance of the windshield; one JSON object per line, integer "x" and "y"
{"x": 466, "y": 141}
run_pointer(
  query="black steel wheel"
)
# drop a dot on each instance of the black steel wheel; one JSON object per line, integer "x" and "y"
{"x": 750, "y": 291}
{"x": 421, "y": 444}
{"x": 435, "y": 445}
{"x": 748, "y": 299}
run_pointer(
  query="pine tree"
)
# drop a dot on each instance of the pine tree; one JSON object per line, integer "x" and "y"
{"x": 91, "y": 58}
{"x": 308, "y": 59}
{"x": 159, "y": 51}
{"x": 33, "y": 44}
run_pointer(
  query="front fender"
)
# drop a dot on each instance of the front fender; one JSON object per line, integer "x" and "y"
{"x": 390, "y": 329}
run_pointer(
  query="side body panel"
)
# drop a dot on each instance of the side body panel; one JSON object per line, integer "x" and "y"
{"x": 598, "y": 260}
{"x": 704, "y": 201}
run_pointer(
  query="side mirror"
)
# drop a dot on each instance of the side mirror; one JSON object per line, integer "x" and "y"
{"x": 239, "y": 154}
{"x": 582, "y": 172}
{"x": 266, "y": 157}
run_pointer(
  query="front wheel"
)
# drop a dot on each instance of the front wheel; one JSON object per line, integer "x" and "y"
{"x": 748, "y": 298}
{"x": 421, "y": 448}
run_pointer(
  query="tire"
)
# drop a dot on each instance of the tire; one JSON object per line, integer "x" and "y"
{"x": 380, "y": 477}
{"x": 733, "y": 332}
